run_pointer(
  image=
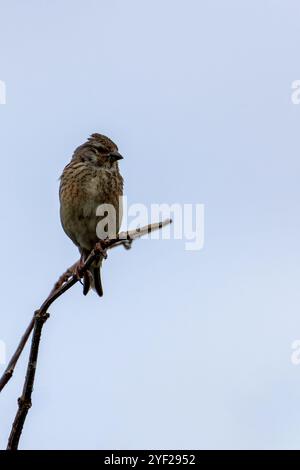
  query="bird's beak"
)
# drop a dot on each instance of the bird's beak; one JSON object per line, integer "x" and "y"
{"x": 115, "y": 156}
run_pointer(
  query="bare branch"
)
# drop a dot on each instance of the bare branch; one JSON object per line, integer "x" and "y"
{"x": 64, "y": 283}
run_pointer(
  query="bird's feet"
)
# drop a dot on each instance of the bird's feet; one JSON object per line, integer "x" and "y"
{"x": 100, "y": 247}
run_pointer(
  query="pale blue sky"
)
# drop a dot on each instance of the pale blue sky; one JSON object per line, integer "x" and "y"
{"x": 186, "y": 349}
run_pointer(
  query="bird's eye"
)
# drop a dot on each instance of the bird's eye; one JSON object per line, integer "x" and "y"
{"x": 100, "y": 147}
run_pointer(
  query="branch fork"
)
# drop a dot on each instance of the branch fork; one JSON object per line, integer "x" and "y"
{"x": 70, "y": 277}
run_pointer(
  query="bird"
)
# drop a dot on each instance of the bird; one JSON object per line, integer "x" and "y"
{"x": 91, "y": 180}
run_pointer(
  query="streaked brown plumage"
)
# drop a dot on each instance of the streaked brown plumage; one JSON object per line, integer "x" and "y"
{"x": 91, "y": 178}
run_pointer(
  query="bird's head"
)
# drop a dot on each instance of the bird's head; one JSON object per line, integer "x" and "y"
{"x": 106, "y": 151}
{"x": 98, "y": 151}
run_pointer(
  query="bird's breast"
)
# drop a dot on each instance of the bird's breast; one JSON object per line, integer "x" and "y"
{"x": 83, "y": 190}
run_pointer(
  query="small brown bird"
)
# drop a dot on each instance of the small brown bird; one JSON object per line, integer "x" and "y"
{"x": 91, "y": 179}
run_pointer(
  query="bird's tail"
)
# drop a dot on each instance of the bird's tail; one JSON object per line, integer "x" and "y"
{"x": 97, "y": 281}
{"x": 92, "y": 279}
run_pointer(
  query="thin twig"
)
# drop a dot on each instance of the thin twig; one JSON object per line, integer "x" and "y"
{"x": 65, "y": 282}
{"x": 7, "y": 375}
{"x": 125, "y": 239}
